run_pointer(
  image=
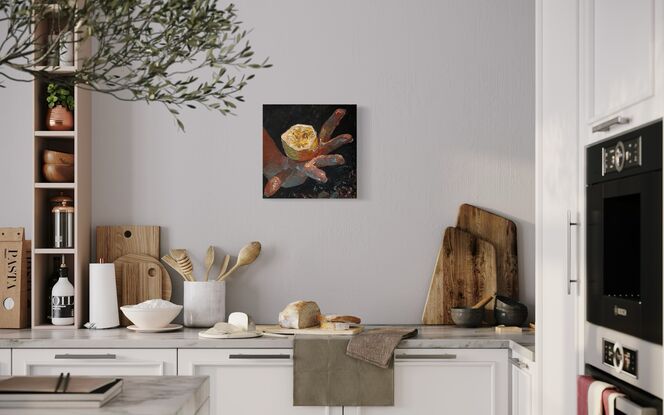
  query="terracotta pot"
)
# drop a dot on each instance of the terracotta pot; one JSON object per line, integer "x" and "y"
{"x": 59, "y": 118}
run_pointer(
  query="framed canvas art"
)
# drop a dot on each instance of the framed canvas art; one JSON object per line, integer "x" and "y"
{"x": 310, "y": 151}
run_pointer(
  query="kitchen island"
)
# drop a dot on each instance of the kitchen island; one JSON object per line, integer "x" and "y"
{"x": 149, "y": 395}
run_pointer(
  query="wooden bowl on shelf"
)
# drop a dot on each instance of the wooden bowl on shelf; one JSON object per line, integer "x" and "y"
{"x": 57, "y": 157}
{"x": 60, "y": 173}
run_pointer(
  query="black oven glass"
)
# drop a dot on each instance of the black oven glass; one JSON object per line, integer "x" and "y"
{"x": 622, "y": 247}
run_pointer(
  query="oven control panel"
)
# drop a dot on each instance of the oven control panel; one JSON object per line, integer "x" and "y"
{"x": 620, "y": 358}
{"x": 622, "y": 155}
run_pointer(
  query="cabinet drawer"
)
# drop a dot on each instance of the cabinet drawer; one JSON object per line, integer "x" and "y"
{"x": 113, "y": 362}
{"x": 247, "y": 381}
{"x": 454, "y": 381}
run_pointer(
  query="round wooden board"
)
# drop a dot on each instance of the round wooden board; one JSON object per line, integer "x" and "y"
{"x": 166, "y": 286}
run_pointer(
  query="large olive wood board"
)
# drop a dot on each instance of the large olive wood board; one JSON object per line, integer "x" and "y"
{"x": 465, "y": 271}
{"x": 116, "y": 241}
{"x": 276, "y": 329}
{"x": 501, "y": 233}
{"x": 140, "y": 278}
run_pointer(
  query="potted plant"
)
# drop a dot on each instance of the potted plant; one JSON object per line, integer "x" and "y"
{"x": 60, "y": 100}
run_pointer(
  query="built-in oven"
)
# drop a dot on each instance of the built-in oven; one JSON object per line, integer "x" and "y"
{"x": 624, "y": 233}
{"x": 623, "y": 332}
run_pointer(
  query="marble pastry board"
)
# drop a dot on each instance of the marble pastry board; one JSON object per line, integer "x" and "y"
{"x": 241, "y": 335}
{"x": 275, "y": 329}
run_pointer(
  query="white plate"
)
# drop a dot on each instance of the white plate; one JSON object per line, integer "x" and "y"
{"x": 170, "y": 327}
{"x": 241, "y": 335}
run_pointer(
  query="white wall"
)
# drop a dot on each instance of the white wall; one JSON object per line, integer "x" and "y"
{"x": 445, "y": 94}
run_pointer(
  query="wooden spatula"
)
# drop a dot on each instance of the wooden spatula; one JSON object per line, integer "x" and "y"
{"x": 484, "y": 301}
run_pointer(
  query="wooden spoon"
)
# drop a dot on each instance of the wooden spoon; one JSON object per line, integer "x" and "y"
{"x": 174, "y": 264}
{"x": 484, "y": 301}
{"x": 209, "y": 260}
{"x": 246, "y": 256}
{"x": 224, "y": 266}
{"x": 183, "y": 260}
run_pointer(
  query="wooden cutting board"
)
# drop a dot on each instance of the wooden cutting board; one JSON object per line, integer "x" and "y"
{"x": 140, "y": 278}
{"x": 116, "y": 241}
{"x": 500, "y": 232}
{"x": 465, "y": 271}
{"x": 276, "y": 329}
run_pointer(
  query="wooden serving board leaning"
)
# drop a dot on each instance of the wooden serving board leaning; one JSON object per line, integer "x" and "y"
{"x": 501, "y": 233}
{"x": 465, "y": 272}
{"x": 140, "y": 278}
{"x": 116, "y": 241}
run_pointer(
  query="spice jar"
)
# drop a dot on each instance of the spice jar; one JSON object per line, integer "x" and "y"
{"x": 63, "y": 221}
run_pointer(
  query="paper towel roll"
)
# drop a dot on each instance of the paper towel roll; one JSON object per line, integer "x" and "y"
{"x": 103, "y": 296}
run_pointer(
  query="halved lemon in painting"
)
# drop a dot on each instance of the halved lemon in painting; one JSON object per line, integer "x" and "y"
{"x": 300, "y": 142}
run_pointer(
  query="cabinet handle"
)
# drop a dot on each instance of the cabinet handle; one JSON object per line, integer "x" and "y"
{"x": 445, "y": 356}
{"x": 518, "y": 363}
{"x": 106, "y": 356}
{"x": 568, "y": 261}
{"x": 259, "y": 356}
{"x": 606, "y": 125}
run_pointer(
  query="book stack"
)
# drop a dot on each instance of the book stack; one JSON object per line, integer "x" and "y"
{"x": 64, "y": 391}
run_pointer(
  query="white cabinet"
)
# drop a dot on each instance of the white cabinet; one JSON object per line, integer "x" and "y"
{"x": 447, "y": 381}
{"x": 558, "y": 158}
{"x": 5, "y": 362}
{"x": 621, "y": 52}
{"x": 247, "y": 381}
{"x": 113, "y": 362}
{"x": 522, "y": 373}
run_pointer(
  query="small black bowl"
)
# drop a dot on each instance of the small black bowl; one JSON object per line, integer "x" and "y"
{"x": 509, "y": 312}
{"x": 467, "y": 316}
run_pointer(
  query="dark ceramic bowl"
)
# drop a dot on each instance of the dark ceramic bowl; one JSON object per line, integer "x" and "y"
{"x": 467, "y": 317}
{"x": 509, "y": 312}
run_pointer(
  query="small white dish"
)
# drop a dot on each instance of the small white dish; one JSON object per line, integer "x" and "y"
{"x": 170, "y": 327}
{"x": 238, "y": 335}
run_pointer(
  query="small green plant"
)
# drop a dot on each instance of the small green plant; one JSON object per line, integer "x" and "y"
{"x": 59, "y": 95}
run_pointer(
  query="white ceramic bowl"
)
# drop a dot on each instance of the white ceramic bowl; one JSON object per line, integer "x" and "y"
{"x": 151, "y": 318}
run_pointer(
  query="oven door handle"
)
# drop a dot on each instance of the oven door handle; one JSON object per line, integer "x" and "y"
{"x": 568, "y": 261}
{"x": 630, "y": 408}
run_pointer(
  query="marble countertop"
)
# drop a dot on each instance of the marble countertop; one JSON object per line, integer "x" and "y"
{"x": 149, "y": 395}
{"x": 429, "y": 337}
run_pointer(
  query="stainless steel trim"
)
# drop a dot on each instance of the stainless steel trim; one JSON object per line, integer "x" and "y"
{"x": 444, "y": 356}
{"x": 259, "y": 356}
{"x": 603, "y": 161}
{"x": 518, "y": 363}
{"x": 569, "y": 253}
{"x": 606, "y": 125}
{"x": 104, "y": 356}
{"x": 630, "y": 408}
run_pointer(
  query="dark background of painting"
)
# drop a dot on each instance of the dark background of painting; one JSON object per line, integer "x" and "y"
{"x": 342, "y": 180}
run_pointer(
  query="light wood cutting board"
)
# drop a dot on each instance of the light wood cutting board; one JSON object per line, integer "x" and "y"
{"x": 465, "y": 271}
{"x": 116, "y": 241}
{"x": 501, "y": 233}
{"x": 140, "y": 278}
{"x": 276, "y": 329}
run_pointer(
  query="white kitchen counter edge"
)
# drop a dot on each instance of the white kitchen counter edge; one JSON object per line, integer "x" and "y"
{"x": 429, "y": 337}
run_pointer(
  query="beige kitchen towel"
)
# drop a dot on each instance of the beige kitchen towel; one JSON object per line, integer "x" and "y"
{"x": 377, "y": 346}
{"x": 324, "y": 376}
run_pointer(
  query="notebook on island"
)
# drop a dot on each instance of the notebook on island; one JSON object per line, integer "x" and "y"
{"x": 38, "y": 392}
